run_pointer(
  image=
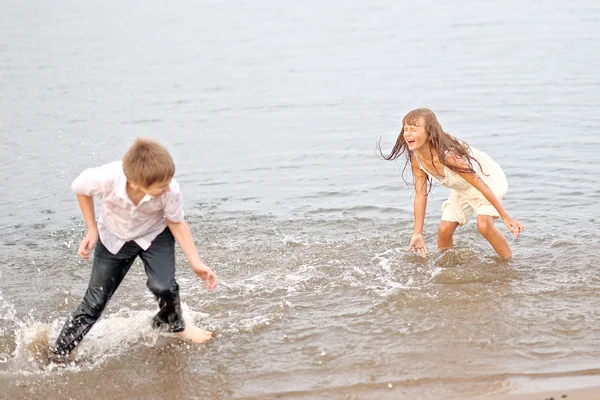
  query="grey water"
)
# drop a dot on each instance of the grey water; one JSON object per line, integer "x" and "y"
{"x": 272, "y": 111}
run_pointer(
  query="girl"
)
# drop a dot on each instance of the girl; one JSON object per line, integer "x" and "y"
{"x": 476, "y": 182}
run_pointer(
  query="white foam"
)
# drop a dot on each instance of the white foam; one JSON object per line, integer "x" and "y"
{"x": 110, "y": 337}
{"x": 7, "y": 310}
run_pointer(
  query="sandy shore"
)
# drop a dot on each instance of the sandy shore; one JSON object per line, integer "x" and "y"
{"x": 568, "y": 394}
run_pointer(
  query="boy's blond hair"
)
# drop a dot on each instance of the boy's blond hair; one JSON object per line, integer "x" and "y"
{"x": 148, "y": 162}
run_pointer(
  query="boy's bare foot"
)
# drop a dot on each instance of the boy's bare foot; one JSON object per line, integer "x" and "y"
{"x": 194, "y": 334}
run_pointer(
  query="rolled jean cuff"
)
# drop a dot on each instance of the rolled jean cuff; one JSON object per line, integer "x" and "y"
{"x": 178, "y": 325}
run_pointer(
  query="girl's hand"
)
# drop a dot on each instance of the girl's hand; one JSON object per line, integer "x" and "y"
{"x": 513, "y": 225}
{"x": 417, "y": 243}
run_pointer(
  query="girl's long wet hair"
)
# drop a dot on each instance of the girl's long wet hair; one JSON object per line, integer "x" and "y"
{"x": 441, "y": 143}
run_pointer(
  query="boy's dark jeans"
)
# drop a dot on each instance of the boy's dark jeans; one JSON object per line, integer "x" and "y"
{"x": 108, "y": 270}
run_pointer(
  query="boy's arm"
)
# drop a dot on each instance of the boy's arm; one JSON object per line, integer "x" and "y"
{"x": 183, "y": 236}
{"x": 91, "y": 182}
{"x": 475, "y": 180}
{"x": 417, "y": 243}
{"x": 86, "y": 203}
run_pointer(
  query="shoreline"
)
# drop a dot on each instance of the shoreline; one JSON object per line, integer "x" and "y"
{"x": 587, "y": 393}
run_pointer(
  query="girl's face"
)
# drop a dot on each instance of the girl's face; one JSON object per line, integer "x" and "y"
{"x": 415, "y": 136}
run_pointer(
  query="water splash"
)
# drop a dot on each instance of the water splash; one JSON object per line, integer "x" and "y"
{"x": 27, "y": 342}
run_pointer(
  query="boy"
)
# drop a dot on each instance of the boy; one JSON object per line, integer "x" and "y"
{"x": 142, "y": 215}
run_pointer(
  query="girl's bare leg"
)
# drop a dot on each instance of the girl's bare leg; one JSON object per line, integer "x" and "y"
{"x": 445, "y": 234}
{"x": 487, "y": 228}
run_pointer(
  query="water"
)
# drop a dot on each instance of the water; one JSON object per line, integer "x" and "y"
{"x": 272, "y": 112}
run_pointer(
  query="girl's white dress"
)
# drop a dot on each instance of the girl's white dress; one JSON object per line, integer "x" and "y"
{"x": 464, "y": 199}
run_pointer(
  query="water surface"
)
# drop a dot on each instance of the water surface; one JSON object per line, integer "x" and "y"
{"x": 272, "y": 112}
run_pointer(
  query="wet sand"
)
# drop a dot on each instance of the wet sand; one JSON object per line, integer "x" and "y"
{"x": 592, "y": 393}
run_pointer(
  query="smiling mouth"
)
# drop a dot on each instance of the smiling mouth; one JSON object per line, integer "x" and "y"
{"x": 409, "y": 142}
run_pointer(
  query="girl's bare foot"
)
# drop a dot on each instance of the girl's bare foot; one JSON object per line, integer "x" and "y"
{"x": 194, "y": 334}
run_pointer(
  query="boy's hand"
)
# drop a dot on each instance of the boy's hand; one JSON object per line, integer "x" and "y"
{"x": 513, "y": 225}
{"x": 87, "y": 244}
{"x": 208, "y": 277}
{"x": 417, "y": 243}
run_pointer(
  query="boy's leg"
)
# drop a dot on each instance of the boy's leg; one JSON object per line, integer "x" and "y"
{"x": 487, "y": 228}
{"x": 159, "y": 261}
{"x": 108, "y": 270}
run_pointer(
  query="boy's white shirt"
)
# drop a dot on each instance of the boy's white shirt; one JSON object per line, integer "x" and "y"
{"x": 120, "y": 220}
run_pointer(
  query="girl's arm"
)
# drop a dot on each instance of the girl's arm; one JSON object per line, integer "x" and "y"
{"x": 475, "y": 180}
{"x": 417, "y": 243}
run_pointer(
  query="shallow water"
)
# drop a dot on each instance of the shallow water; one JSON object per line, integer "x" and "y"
{"x": 272, "y": 113}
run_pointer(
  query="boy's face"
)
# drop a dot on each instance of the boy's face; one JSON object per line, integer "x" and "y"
{"x": 157, "y": 189}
